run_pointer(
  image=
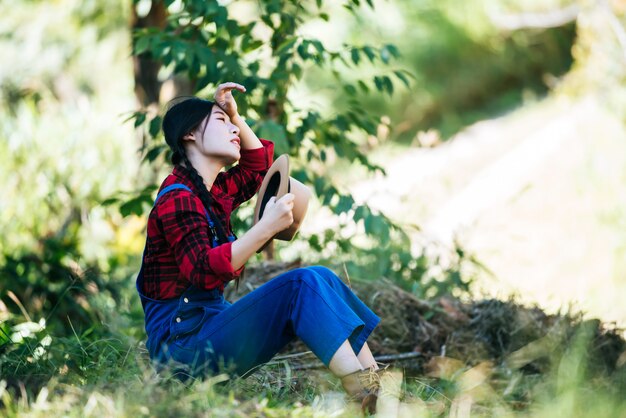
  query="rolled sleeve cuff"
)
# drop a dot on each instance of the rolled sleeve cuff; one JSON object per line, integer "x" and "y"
{"x": 221, "y": 262}
{"x": 258, "y": 159}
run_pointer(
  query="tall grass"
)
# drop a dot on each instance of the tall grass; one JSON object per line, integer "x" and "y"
{"x": 104, "y": 371}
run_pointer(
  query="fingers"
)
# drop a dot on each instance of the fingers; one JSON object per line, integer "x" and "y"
{"x": 230, "y": 85}
{"x": 288, "y": 198}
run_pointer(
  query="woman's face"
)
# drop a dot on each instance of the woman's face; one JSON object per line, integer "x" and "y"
{"x": 218, "y": 137}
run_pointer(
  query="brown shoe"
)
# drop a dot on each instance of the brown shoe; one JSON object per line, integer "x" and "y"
{"x": 363, "y": 387}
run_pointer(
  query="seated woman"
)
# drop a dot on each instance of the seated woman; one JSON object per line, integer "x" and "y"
{"x": 191, "y": 254}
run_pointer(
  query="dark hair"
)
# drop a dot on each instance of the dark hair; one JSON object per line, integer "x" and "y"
{"x": 184, "y": 115}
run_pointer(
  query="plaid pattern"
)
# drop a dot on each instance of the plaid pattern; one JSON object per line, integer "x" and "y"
{"x": 178, "y": 246}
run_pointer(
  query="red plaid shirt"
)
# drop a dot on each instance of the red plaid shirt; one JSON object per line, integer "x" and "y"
{"x": 178, "y": 247}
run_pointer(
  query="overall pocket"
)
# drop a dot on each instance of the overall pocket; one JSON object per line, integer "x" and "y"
{"x": 186, "y": 322}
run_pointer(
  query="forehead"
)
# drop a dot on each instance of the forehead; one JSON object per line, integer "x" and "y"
{"x": 217, "y": 111}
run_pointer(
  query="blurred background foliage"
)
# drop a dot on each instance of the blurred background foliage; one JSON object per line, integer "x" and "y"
{"x": 82, "y": 88}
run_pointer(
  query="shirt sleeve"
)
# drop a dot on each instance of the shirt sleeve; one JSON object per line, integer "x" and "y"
{"x": 186, "y": 230}
{"x": 244, "y": 180}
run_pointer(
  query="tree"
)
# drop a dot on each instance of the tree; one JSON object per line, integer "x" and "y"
{"x": 206, "y": 45}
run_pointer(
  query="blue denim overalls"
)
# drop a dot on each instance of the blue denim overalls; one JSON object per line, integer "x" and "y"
{"x": 206, "y": 334}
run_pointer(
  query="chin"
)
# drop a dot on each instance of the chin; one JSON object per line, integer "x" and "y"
{"x": 232, "y": 158}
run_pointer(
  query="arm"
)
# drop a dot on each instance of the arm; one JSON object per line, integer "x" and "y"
{"x": 249, "y": 140}
{"x": 224, "y": 98}
{"x": 257, "y": 155}
{"x": 277, "y": 215}
{"x": 186, "y": 231}
{"x": 245, "y": 246}
{"x": 244, "y": 180}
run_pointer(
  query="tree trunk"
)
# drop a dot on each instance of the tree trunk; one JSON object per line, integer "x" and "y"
{"x": 147, "y": 84}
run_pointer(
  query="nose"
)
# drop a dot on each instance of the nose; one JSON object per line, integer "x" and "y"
{"x": 234, "y": 129}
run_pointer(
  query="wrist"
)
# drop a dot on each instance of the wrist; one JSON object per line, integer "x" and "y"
{"x": 236, "y": 119}
{"x": 268, "y": 230}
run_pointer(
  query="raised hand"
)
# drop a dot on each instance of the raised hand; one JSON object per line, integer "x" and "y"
{"x": 224, "y": 97}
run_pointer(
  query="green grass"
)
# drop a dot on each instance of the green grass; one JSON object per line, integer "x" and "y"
{"x": 107, "y": 373}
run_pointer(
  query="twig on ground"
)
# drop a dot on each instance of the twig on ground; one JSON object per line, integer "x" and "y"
{"x": 318, "y": 364}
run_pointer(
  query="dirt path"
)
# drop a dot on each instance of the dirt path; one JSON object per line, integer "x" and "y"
{"x": 537, "y": 195}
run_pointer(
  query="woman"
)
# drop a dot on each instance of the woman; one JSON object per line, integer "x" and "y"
{"x": 191, "y": 254}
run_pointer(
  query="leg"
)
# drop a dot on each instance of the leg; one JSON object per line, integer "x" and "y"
{"x": 366, "y": 358}
{"x": 252, "y": 330}
{"x": 359, "y": 308}
{"x": 364, "y": 355}
{"x": 344, "y": 361}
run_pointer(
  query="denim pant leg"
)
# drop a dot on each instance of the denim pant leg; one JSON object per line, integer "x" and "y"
{"x": 297, "y": 303}
{"x": 366, "y": 315}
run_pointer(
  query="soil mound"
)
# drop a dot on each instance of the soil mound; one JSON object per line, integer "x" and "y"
{"x": 417, "y": 334}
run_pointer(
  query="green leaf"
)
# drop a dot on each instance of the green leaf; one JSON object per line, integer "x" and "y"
{"x": 402, "y": 77}
{"x": 303, "y": 50}
{"x": 393, "y": 50}
{"x": 140, "y": 118}
{"x": 289, "y": 42}
{"x": 355, "y": 56}
{"x": 267, "y": 20}
{"x": 314, "y": 242}
{"x": 379, "y": 83}
{"x": 324, "y": 16}
{"x": 296, "y": 70}
{"x": 110, "y": 201}
{"x": 344, "y": 205}
{"x": 388, "y": 85}
{"x": 350, "y": 89}
{"x": 256, "y": 44}
{"x": 360, "y": 213}
{"x": 369, "y": 51}
{"x": 233, "y": 28}
{"x": 319, "y": 184}
{"x": 155, "y": 126}
{"x": 142, "y": 44}
{"x": 318, "y": 46}
{"x": 132, "y": 207}
{"x": 220, "y": 17}
{"x": 154, "y": 153}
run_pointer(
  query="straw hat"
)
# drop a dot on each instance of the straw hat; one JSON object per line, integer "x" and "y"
{"x": 278, "y": 183}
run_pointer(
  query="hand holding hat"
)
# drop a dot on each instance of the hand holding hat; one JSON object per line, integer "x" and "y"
{"x": 275, "y": 190}
{"x": 278, "y": 213}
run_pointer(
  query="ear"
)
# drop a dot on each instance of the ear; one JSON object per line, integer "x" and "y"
{"x": 190, "y": 136}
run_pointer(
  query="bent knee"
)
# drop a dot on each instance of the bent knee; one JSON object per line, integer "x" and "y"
{"x": 306, "y": 275}
{"x": 297, "y": 275}
{"x": 325, "y": 272}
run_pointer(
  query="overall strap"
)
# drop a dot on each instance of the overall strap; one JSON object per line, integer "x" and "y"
{"x": 176, "y": 186}
{"x": 170, "y": 188}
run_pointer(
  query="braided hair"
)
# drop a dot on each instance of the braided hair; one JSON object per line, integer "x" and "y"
{"x": 184, "y": 116}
